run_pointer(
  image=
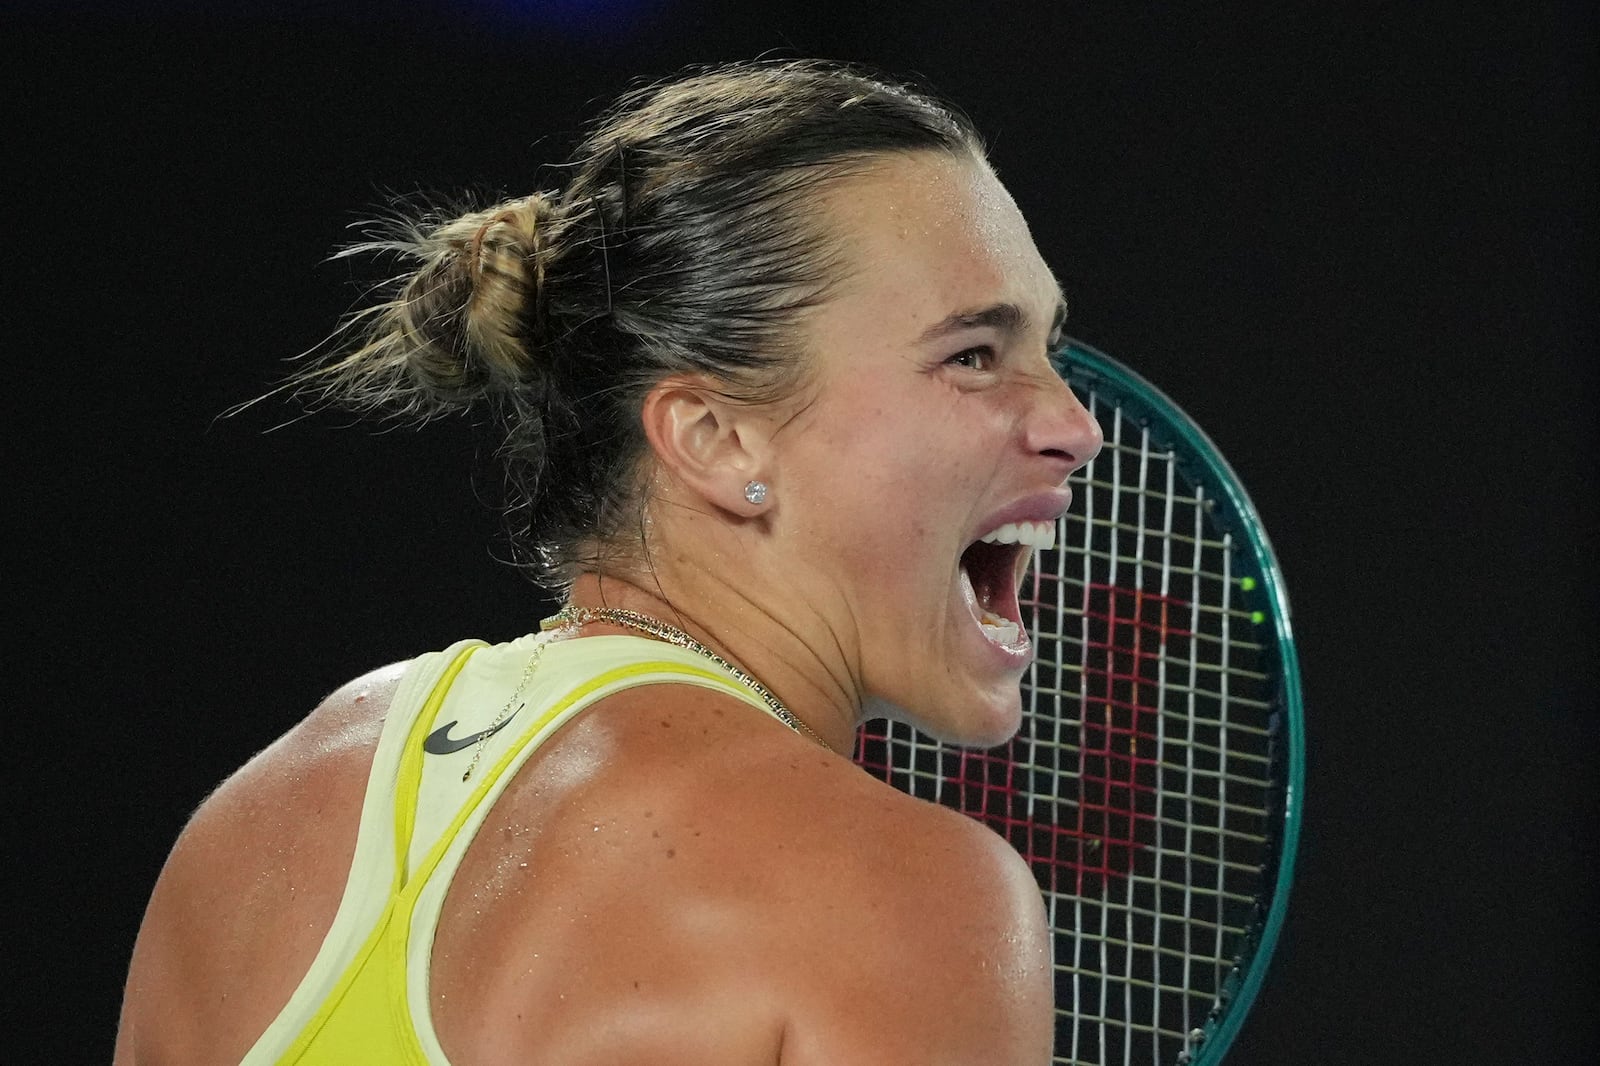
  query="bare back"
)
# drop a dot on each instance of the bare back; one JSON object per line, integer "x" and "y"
{"x": 674, "y": 877}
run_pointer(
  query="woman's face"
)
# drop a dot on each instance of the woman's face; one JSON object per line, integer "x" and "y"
{"x": 932, "y": 419}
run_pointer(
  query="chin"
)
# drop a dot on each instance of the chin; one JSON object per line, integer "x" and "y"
{"x": 971, "y": 724}
{"x": 992, "y": 731}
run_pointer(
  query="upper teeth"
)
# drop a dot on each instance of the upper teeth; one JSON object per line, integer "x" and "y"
{"x": 1034, "y": 534}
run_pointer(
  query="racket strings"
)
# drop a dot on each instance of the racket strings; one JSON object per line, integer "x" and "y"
{"x": 1139, "y": 788}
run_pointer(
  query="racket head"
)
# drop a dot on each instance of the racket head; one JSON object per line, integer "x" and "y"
{"x": 1155, "y": 785}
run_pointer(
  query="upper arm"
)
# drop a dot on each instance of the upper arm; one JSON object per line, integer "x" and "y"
{"x": 249, "y": 861}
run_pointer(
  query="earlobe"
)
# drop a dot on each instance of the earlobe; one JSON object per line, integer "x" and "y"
{"x": 711, "y": 448}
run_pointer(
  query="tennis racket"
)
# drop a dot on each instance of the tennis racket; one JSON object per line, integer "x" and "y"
{"x": 1156, "y": 782}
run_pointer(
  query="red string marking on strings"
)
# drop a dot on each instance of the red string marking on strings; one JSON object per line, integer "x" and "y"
{"x": 1130, "y": 630}
{"x": 1111, "y": 818}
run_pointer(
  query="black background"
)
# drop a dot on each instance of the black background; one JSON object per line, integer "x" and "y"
{"x": 1357, "y": 243}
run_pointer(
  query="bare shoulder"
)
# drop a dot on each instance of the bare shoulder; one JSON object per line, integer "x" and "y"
{"x": 870, "y": 926}
{"x": 935, "y": 947}
{"x": 252, "y": 884}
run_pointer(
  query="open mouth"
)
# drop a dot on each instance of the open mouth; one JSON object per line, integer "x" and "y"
{"x": 991, "y": 570}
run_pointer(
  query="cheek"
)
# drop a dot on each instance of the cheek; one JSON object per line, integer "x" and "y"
{"x": 890, "y": 485}
{"x": 906, "y": 512}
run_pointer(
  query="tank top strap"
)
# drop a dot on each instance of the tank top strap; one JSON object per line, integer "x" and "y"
{"x": 502, "y": 706}
{"x": 332, "y": 1009}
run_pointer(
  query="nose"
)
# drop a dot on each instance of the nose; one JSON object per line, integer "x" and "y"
{"x": 1059, "y": 426}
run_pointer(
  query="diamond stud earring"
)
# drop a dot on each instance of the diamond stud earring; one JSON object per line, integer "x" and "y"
{"x": 756, "y": 493}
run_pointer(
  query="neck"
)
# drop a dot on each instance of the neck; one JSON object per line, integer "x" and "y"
{"x": 749, "y": 637}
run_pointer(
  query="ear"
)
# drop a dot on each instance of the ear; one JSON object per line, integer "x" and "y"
{"x": 710, "y": 445}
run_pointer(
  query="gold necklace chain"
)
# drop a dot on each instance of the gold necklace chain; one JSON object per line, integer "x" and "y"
{"x": 571, "y": 615}
{"x": 513, "y": 705}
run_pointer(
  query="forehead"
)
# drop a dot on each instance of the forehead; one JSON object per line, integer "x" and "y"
{"x": 930, "y": 234}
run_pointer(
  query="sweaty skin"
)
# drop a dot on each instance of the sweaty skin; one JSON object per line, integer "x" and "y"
{"x": 675, "y": 877}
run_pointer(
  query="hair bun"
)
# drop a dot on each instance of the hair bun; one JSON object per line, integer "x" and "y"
{"x": 505, "y": 266}
{"x": 470, "y": 311}
{"x": 464, "y": 324}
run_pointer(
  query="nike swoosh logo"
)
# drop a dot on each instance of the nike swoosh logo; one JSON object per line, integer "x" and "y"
{"x": 439, "y": 741}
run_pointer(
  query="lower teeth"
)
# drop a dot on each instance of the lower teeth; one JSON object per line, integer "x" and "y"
{"x": 999, "y": 630}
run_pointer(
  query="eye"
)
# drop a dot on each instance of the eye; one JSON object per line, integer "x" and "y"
{"x": 979, "y": 358}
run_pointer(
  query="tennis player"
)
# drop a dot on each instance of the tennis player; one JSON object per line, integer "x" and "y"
{"x": 780, "y": 423}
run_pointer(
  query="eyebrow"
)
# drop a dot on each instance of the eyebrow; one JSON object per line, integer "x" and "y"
{"x": 1008, "y": 318}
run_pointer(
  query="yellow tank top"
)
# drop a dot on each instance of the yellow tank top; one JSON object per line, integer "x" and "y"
{"x": 365, "y": 997}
